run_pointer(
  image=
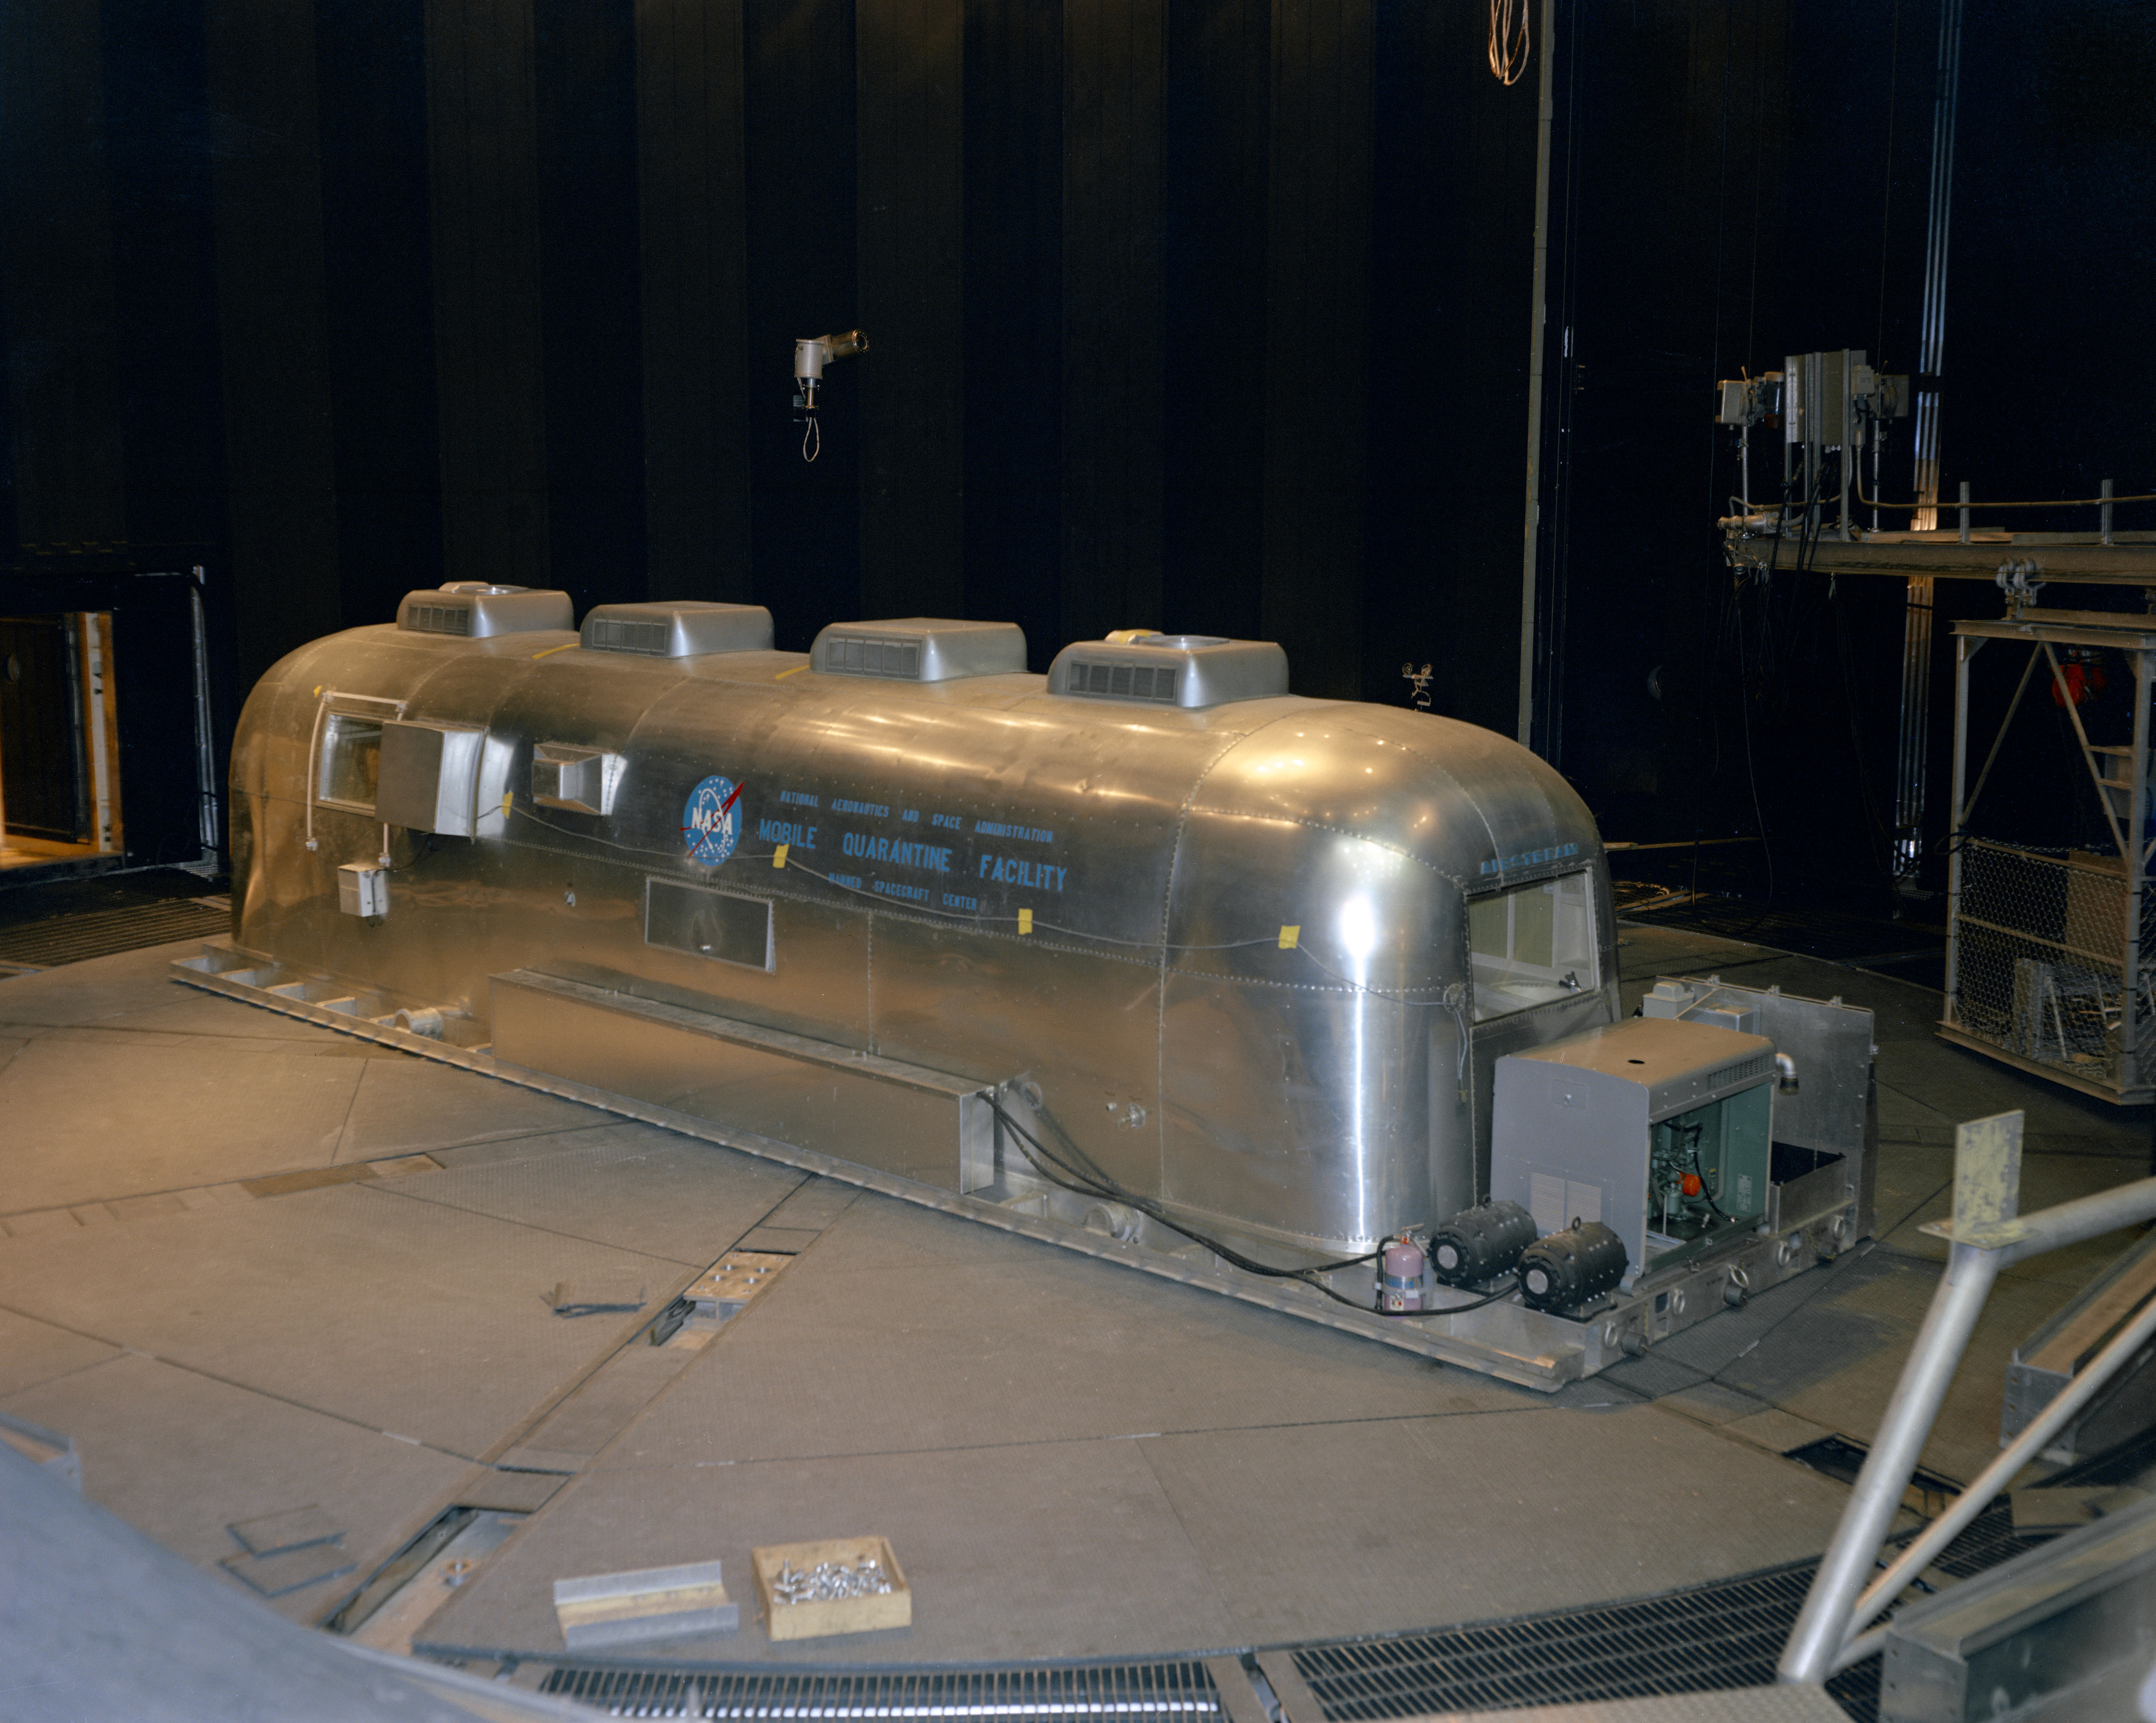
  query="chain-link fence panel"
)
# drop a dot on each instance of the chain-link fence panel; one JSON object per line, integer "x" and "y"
{"x": 2042, "y": 964}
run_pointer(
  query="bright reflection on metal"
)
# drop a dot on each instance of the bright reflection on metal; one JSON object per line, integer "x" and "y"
{"x": 1358, "y": 929}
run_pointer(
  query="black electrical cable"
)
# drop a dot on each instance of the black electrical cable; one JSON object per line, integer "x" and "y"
{"x": 1091, "y": 1182}
{"x": 1094, "y": 1182}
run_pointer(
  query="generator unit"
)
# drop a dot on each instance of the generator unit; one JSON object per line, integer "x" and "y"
{"x": 1658, "y": 1129}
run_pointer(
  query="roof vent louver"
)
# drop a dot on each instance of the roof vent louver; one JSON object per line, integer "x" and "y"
{"x": 472, "y": 610}
{"x": 920, "y": 649}
{"x": 439, "y": 619}
{"x": 1187, "y": 670}
{"x": 678, "y": 628}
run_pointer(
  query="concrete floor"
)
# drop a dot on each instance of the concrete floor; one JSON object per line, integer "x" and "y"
{"x": 251, "y": 1265}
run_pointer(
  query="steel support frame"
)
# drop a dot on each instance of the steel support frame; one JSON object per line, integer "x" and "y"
{"x": 1985, "y": 1236}
{"x": 2135, "y": 851}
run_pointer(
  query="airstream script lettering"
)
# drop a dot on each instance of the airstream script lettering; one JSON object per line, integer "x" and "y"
{"x": 1528, "y": 858}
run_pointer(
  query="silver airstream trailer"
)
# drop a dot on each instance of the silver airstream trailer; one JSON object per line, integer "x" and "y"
{"x": 1144, "y": 952}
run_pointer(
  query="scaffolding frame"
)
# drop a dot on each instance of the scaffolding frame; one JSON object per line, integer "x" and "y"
{"x": 2063, "y": 978}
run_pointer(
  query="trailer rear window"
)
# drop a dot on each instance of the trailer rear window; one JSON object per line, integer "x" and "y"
{"x": 1532, "y": 944}
{"x": 351, "y": 762}
{"x": 722, "y": 925}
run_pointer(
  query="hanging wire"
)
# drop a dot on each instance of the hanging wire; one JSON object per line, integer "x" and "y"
{"x": 1508, "y": 39}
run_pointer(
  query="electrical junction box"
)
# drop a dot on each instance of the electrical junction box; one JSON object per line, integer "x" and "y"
{"x": 363, "y": 889}
{"x": 1660, "y": 1129}
{"x": 429, "y": 777}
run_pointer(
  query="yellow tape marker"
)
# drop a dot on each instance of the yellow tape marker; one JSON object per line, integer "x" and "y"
{"x": 1025, "y": 920}
{"x": 779, "y": 855}
{"x": 1291, "y": 938}
{"x": 507, "y": 797}
{"x": 795, "y": 671}
{"x": 318, "y": 691}
{"x": 551, "y": 650}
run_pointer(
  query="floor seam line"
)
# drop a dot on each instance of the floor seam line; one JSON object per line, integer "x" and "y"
{"x": 388, "y": 1188}
{"x": 351, "y": 1106}
{"x": 196, "y": 1370}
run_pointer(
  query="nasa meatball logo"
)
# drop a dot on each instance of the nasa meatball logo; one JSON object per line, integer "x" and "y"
{"x": 711, "y": 825}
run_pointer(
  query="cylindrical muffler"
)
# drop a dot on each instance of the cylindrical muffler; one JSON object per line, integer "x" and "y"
{"x": 1479, "y": 1244}
{"x": 1566, "y": 1270}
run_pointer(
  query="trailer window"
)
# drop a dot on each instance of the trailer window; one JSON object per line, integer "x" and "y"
{"x": 351, "y": 761}
{"x": 723, "y": 925}
{"x": 1532, "y": 944}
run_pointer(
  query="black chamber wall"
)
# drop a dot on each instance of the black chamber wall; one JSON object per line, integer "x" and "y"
{"x": 1207, "y": 314}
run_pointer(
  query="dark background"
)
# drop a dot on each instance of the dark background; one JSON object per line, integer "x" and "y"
{"x": 1209, "y": 315}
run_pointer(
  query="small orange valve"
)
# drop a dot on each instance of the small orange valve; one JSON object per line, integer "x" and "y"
{"x": 1691, "y": 1184}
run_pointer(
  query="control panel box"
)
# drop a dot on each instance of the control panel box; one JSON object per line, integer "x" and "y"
{"x": 363, "y": 889}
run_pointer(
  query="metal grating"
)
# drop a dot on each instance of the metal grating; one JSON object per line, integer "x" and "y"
{"x": 1694, "y": 1641}
{"x": 612, "y": 634}
{"x": 1122, "y": 681}
{"x": 100, "y": 933}
{"x": 1166, "y": 1689}
{"x": 1713, "y": 1637}
{"x": 861, "y": 655}
{"x": 1989, "y": 1540}
{"x": 1702, "y": 1639}
{"x": 439, "y": 618}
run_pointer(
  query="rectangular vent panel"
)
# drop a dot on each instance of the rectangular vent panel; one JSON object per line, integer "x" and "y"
{"x": 859, "y": 655}
{"x": 440, "y": 618}
{"x": 611, "y": 634}
{"x": 1124, "y": 681}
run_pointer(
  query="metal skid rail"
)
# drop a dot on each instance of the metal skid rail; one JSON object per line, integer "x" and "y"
{"x": 1529, "y": 1348}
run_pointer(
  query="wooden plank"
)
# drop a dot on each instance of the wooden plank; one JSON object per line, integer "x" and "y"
{"x": 2077, "y": 1340}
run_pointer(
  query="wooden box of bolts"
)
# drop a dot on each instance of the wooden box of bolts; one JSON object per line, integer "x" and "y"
{"x": 790, "y": 1611}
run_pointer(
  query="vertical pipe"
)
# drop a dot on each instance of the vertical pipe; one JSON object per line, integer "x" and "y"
{"x": 1964, "y": 511}
{"x": 1963, "y": 652}
{"x": 1823, "y": 1626}
{"x": 211, "y": 822}
{"x": 95, "y": 656}
{"x": 1916, "y": 641}
{"x": 2135, "y": 858}
{"x": 1539, "y": 313}
{"x": 2103, "y": 522}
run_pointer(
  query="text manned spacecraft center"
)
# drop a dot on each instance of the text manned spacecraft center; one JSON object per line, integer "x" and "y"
{"x": 1147, "y": 957}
